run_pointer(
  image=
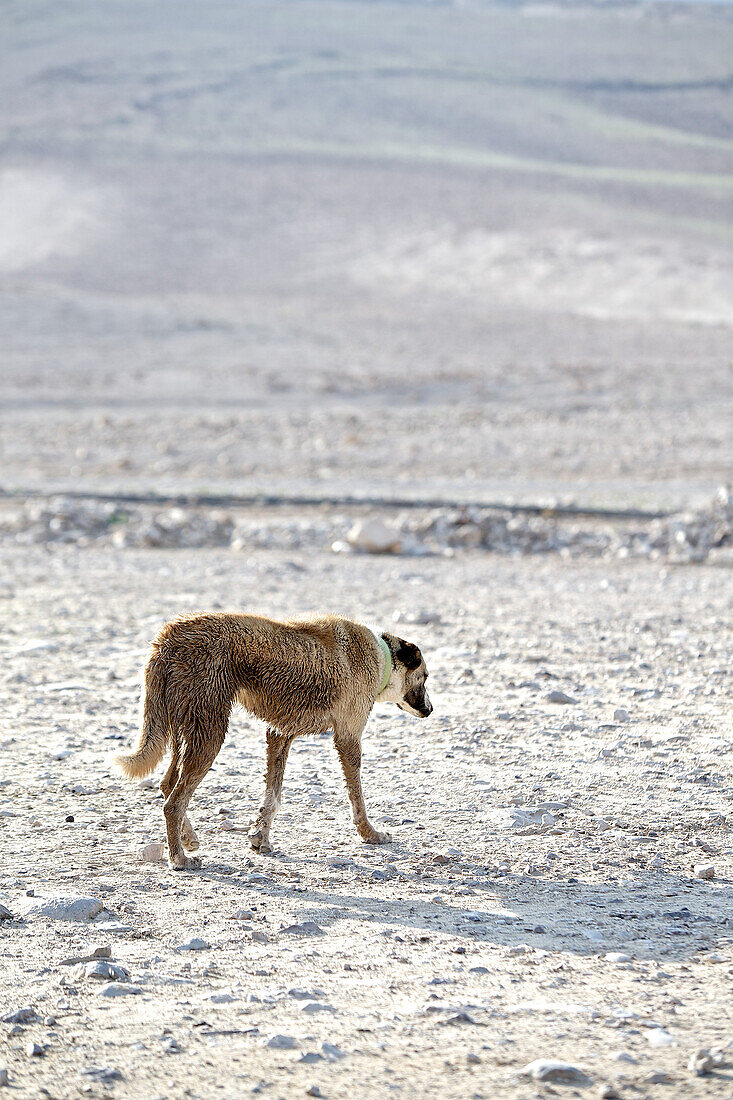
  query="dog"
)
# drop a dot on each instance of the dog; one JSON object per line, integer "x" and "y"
{"x": 300, "y": 677}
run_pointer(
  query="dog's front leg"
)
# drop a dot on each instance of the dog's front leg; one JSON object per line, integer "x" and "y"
{"x": 348, "y": 746}
{"x": 278, "y": 747}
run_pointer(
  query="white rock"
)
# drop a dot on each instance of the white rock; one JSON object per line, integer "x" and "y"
{"x": 621, "y": 714}
{"x": 119, "y": 989}
{"x": 543, "y": 1069}
{"x": 617, "y": 957}
{"x": 243, "y": 914}
{"x": 38, "y": 646}
{"x": 516, "y": 817}
{"x": 705, "y": 871}
{"x": 194, "y": 944}
{"x": 373, "y": 536}
{"x": 332, "y": 1052}
{"x": 103, "y": 971}
{"x": 658, "y": 1037}
{"x": 153, "y": 853}
{"x": 71, "y": 907}
{"x": 703, "y": 1062}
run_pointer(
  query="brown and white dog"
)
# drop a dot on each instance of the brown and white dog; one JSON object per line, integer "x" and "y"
{"x": 300, "y": 677}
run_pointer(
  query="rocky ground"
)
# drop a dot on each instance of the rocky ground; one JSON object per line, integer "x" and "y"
{"x": 456, "y": 260}
{"x": 542, "y": 898}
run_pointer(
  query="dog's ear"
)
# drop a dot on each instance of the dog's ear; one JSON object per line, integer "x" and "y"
{"x": 408, "y": 654}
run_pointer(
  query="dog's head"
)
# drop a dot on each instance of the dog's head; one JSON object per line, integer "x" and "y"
{"x": 406, "y": 685}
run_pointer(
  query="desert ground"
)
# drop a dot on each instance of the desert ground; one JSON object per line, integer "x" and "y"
{"x": 419, "y": 314}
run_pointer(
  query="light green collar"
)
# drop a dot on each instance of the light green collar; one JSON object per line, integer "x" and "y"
{"x": 387, "y": 662}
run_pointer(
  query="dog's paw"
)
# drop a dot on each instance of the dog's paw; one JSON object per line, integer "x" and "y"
{"x": 190, "y": 842}
{"x": 377, "y": 838}
{"x": 259, "y": 842}
{"x": 184, "y": 863}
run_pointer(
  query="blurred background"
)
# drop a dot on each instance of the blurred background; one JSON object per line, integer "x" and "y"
{"x": 480, "y": 251}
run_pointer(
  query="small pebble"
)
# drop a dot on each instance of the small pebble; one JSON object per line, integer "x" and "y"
{"x": 332, "y": 1052}
{"x": 560, "y": 697}
{"x": 105, "y": 1074}
{"x": 305, "y": 928}
{"x": 282, "y": 1042}
{"x": 194, "y": 944}
{"x": 34, "y": 1050}
{"x": 705, "y": 871}
{"x": 4, "y": 1078}
{"x": 701, "y": 1063}
{"x": 544, "y": 1069}
{"x": 317, "y": 1006}
{"x": 659, "y": 1037}
{"x": 119, "y": 989}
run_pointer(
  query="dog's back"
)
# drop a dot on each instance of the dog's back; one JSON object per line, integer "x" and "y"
{"x": 293, "y": 675}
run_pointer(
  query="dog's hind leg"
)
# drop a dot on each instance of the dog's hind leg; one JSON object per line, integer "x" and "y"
{"x": 278, "y": 747}
{"x": 167, "y": 783}
{"x": 195, "y": 763}
{"x": 348, "y": 747}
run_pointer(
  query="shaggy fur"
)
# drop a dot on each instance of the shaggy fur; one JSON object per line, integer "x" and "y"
{"x": 300, "y": 677}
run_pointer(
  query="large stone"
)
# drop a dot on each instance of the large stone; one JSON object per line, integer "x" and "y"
{"x": 373, "y": 536}
{"x": 71, "y": 907}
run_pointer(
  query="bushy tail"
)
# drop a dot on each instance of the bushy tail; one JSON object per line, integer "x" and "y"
{"x": 155, "y": 729}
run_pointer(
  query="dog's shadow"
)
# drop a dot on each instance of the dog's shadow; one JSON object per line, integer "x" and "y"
{"x": 653, "y": 916}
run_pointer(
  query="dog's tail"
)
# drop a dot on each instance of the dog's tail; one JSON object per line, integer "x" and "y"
{"x": 155, "y": 730}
